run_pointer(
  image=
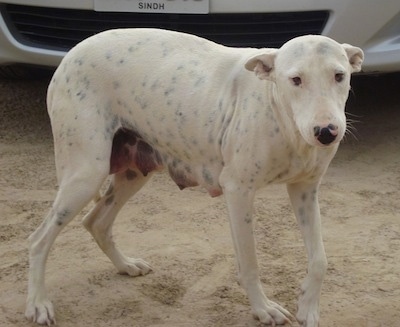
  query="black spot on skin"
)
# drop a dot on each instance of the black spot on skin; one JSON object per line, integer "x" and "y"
{"x": 282, "y": 174}
{"x": 169, "y": 91}
{"x": 114, "y": 123}
{"x": 304, "y": 197}
{"x": 81, "y": 95}
{"x": 131, "y": 175}
{"x": 109, "y": 200}
{"x": 207, "y": 177}
{"x": 61, "y": 216}
{"x": 110, "y": 190}
{"x": 302, "y": 216}
{"x": 79, "y": 61}
{"x": 248, "y": 219}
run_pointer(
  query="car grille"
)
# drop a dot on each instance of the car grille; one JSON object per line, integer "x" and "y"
{"x": 61, "y": 29}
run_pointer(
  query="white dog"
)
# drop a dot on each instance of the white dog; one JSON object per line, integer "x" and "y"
{"x": 130, "y": 102}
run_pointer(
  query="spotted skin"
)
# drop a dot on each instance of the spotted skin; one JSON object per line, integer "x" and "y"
{"x": 131, "y": 102}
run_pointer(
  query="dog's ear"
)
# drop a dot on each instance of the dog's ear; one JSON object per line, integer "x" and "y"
{"x": 355, "y": 55}
{"x": 263, "y": 64}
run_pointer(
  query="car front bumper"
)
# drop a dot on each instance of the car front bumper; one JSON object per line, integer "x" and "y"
{"x": 372, "y": 26}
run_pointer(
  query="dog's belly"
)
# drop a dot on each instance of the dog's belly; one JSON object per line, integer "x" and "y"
{"x": 131, "y": 152}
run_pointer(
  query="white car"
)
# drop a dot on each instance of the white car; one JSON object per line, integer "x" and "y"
{"x": 40, "y": 32}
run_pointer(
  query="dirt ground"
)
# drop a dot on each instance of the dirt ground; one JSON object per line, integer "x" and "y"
{"x": 185, "y": 234}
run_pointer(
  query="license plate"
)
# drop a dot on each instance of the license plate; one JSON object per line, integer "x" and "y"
{"x": 154, "y": 6}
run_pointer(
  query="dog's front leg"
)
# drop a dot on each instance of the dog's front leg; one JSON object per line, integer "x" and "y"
{"x": 304, "y": 198}
{"x": 240, "y": 206}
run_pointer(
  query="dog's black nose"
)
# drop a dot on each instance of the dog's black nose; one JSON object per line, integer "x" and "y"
{"x": 324, "y": 135}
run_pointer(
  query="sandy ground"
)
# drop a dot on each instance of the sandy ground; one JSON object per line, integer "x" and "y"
{"x": 185, "y": 235}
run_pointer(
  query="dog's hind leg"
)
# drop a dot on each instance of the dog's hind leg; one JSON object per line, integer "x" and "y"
{"x": 78, "y": 185}
{"x": 100, "y": 219}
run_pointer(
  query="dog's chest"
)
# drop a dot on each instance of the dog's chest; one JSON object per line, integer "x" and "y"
{"x": 294, "y": 164}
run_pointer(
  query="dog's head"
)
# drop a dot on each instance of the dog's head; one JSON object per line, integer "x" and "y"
{"x": 312, "y": 78}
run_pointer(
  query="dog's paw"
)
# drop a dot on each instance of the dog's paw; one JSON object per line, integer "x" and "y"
{"x": 134, "y": 267}
{"x": 273, "y": 314}
{"x": 307, "y": 309}
{"x": 41, "y": 312}
{"x": 311, "y": 320}
{"x": 307, "y": 316}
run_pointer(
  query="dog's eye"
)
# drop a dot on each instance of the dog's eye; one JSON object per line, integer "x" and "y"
{"x": 339, "y": 77}
{"x": 296, "y": 81}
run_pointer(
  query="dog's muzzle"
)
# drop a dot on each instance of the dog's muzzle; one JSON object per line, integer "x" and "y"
{"x": 325, "y": 135}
